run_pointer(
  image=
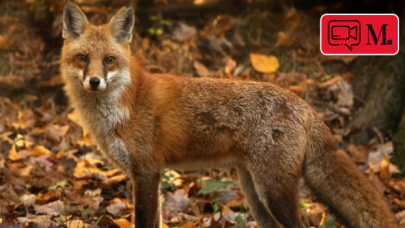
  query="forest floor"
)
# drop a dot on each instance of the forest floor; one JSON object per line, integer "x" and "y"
{"x": 51, "y": 173}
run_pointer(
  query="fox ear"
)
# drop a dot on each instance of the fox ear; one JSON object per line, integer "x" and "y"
{"x": 74, "y": 21}
{"x": 122, "y": 23}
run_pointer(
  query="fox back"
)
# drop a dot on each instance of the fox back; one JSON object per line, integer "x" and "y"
{"x": 145, "y": 122}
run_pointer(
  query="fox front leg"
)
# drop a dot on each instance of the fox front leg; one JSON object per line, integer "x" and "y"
{"x": 146, "y": 192}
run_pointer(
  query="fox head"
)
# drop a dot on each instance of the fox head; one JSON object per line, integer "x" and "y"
{"x": 96, "y": 59}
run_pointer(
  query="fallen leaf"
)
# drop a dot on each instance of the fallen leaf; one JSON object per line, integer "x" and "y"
{"x": 105, "y": 221}
{"x": 345, "y": 58}
{"x": 283, "y": 39}
{"x": 49, "y": 195}
{"x": 378, "y": 183}
{"x": 41, "y": 221}
{"x": 73, "y": 117}
{"x": 400, "y": 216}
{"x": 298, "y": 88}
{"x": 184, "y": 32}
{"x": 349, "y": 77}
{"x": 40, "y": 151}
{"x": 13, "y": 155}
{"x": 230, "y": 66}
{"x": 202, "y": 70}
{"x": 93, "y": 198}
{"x": 43, "y": 160}
{"x": 28, "y": 200}
{"x": 191, "y": 225}
{"x": 173, "y": 177}
{"x": 116, "y": 209}
{"x": 12, "y": 82}
{"x": 345, "y": 94}
{"x": 338, "y": 139}
{"x": 88, "y": 169}
{"x": 8, "y": 194}
{"x": 359, "y": 154}
{"x": 330, "y": 82}
{"x": 78, "y": 223}
{"x": 178, "y": 201}
{"x": 123, "y": 223}
{"x": 115, "y": 179}
{"x": 51, "y": 209}
{"x": 54, "y": 81}
{"x": 263, "y": 63}
{"x": 384, "y": 169}
{"x": 292, "y": 18}
{"x": 56, "y": 132}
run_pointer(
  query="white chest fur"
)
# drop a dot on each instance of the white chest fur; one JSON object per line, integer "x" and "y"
{"x": 100, "y": 115}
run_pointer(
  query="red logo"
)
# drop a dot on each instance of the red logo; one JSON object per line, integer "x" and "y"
{"x": 359, "y": 34}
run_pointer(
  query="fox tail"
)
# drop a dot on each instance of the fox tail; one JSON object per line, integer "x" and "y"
{"x": 341, "y": 186}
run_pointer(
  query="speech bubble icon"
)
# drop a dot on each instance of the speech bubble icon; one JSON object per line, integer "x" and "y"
{"x": 344, "y": 33}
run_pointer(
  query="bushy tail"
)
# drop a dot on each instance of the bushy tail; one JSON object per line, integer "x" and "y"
{"x": 342, "y": 187}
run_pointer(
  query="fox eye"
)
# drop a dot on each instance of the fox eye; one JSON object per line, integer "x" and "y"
{"x": 110, "y": 60}
{"x": 82, "y": 58}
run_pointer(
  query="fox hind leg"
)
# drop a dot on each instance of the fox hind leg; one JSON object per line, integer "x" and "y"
{"x": 259, "y": 211}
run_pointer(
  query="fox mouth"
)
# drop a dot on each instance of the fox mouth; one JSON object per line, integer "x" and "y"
{"x": 94, "y": 90}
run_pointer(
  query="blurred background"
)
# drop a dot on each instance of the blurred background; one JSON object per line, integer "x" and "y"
{"x": 51, "y": 173}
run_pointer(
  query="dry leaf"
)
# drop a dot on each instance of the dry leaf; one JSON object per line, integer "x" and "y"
{"x": 56, "y": 132}
{"x": 12, "y": 82}
{"x": 283, "y": 39}
{"x": 54, "y": 81}
{"x": 87, "y": 170}
{"x": 73, "y": 117}
{"x": 116, "y": 209}
{"x": 13, "y": 155}
{"x": 123, "y": 223}
{"x": 359, "y": 154}
{"x": 40, "y": 151}
{"x": 345, "y": 58}
{"x": 28, "y": 200}
{"x": 230, "y": 66}
{"x": 338, "y": 139}
{"x": 292, "y": 18}
{"x": 78, "y": 223}
{"x": 345, "y": 94}
{"x": 51, "y": 209}
{"x": 384, "y": 169}
{"x": 87, "y": 139}
{"x": 48, "y": 195}
{"x": 192, "y": 225}
{"x": 298, "y": 88}
{"x": 202, "y": 70}
{"x": 330, "y": 82}
{"x": 114, "y": 179}
{"x": 178, "y": 201}
{"x": 184, "y": 32}
{"x": 378, "y": 183}
{"x": 41, "y": 221}
{"x": 349, "y": 77}
{"x": 174, "y": 177}
{"x": 263, "y": 63}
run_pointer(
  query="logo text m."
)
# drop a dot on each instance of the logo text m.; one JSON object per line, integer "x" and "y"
{"x": 383, "y": 30}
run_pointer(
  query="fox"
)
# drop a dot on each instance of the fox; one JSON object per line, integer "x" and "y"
{"x": 144, "y": 122}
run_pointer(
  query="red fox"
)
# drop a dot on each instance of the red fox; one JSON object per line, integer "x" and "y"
{"x": 145, "y": 122}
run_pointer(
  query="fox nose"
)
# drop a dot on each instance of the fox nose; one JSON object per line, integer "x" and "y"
{"x": 94, "y": 82}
